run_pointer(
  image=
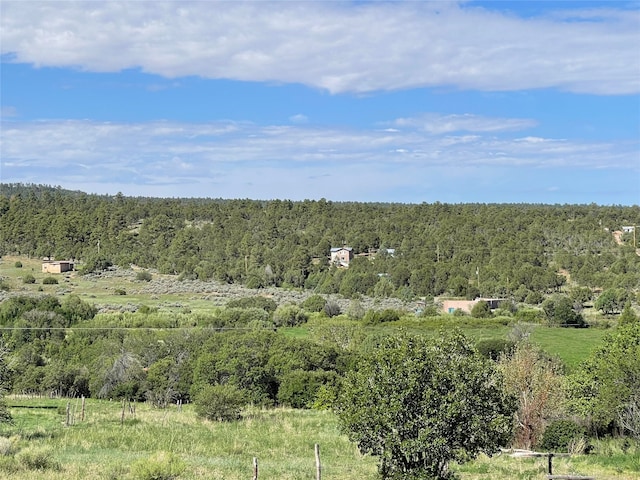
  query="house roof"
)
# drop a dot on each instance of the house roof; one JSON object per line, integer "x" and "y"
{"x": 337, "y": 249}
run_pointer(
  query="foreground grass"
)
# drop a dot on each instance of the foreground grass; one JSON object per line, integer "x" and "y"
{"x": 103, "y": 448}
{"x": 39, "y": 445}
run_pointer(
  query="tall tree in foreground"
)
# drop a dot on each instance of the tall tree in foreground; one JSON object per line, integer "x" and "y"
{"x": 419, "y": 404}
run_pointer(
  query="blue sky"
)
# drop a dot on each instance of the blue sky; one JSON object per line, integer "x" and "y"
{"x": 365, "y": 101}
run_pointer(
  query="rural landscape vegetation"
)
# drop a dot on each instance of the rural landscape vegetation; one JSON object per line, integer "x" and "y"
{"x": 213, "y": 338}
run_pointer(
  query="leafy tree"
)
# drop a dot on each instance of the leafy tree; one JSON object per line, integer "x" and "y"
{"x": 481, "y": 310}
{"x": 607, "y": 383}
{"x": 96, "y": 264}
{"x": 419, "y": 404}
{"x": 536, "y": 381}
{"x": 559, "y": 311}
{"x": 628, "y": 315}
{"x": 611, "y": 300}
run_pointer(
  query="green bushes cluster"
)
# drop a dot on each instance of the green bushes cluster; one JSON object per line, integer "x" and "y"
{"x": 222, "y": 403}
{"x": 559, "y": 434}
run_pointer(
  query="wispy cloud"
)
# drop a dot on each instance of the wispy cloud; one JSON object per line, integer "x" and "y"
{"x": 7, "y": 111}
{"x": 296, "y": 161}
{"x": 337, "y": 46}
{"x": 439, "y": 124}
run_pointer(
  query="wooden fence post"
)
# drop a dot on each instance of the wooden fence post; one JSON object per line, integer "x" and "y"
{"x": 318, "y": 466}
{"x": 67, "y": 421}
{"x": 255, "y": 468}
{"x": 82, "y": 410}
{"x": 122, "y": 415}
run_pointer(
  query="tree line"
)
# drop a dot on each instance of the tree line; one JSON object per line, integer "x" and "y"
{"x": 508, "y": 250}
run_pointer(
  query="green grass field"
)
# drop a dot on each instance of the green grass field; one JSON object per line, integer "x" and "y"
{"x": 39, "y": 445}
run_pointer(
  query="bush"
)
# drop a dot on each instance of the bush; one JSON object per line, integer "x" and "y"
{"x": 222, "y": 403}
{"x": 534, "y": 298}
{"x": 332, "y": 309}
{"x": 266, "y": 304}
{"x": 315, "y": 303}
{"x": 120, "y": 291}
{"x": 49, "y": 281}
{"x": 28, "y": 279}
{"x": 160, "y": 466}
{"x": 18, "y": 264}
{"x": 388, "y": 315}
{"x": 147, "y": 310}
{"x": 481, "y": 310}
{"x": 37, "y": 458}
{"x": 143, "y": 276}
{"x": 289, "y": 316}
{"x": 560, "y": 434}
{"x": 299, "y": 388}
{"x": 492, "y": 348}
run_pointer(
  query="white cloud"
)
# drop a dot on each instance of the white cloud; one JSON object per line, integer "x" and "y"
{"x": 440, "y": 124}
{"x": 337, "y": 46}
{"x": 279, "y": 161}
{"x": 299, "y": 119}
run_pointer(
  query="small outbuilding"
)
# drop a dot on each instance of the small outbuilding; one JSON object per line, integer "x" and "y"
{"x": 57, "y": 267}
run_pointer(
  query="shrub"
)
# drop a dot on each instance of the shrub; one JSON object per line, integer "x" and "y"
{"x": 560, "y": 434}
{"x": 299, "y": 388}
{"x": 534, "y": 298}
{"x": 160, "y": 466}
{"x": 388, "y": 315}
{"x": 481, "y": 310}
{"x": 222, "y": 403}
{"x": 28, "y": 279}
{"x": 266, "y": 304}
{"x": 143, "y": 276}
{"x": 332, "y": 309}
{"x": 6, "y": 447}
{"x": 37, "y": 458}
{"x": 120, "y": 291}
{"x": 289, "y": 316}
{"x": 492, "y": 348}
{"x": 147, "y": 310}
{"x": 315, "y": 303}
{"x": 49, "y": 281}
{"x": 18, "y": 264}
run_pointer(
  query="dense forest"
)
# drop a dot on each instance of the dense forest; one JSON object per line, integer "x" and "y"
{"x": 438, "y": 249}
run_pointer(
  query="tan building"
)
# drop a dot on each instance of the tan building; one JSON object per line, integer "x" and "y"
{"x": 57, "y": 267}
{"x": 450, "y": 306}
{"x": 341, "y": 256}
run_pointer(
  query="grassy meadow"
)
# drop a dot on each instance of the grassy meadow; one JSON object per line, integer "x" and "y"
{"x": 39, "y": 445}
